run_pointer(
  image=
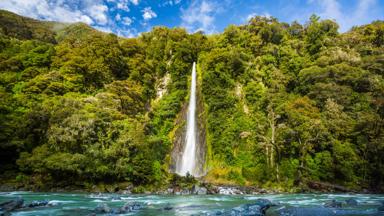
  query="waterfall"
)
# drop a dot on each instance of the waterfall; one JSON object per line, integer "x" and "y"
{"x": 188, "y": 159}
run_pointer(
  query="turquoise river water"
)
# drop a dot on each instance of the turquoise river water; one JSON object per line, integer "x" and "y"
{"x": 85, "y": 203}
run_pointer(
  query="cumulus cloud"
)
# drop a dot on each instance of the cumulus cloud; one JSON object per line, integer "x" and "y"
{"x": 98, "y": 13}
{"x": 148, "y": 13}
{"x": 122, "y": 5}
{"x": 104, "y": 29}
{"x": 117, "y": 17}
{"x": 135, "y": 2}
{"x": 200, "y": 15}
{"x": 332, "y": 9}
{"x": 170, "y": 3}
{"x": 127, "y": 21}
{"x": 129, "y": 33}
{"x": 92, "y": 12}
{"x": 56, "y": 11}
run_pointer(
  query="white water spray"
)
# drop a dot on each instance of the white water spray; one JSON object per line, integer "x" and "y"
{"x": 188, "y": 160}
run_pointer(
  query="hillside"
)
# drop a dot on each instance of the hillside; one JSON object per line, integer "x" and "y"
{"x": 284, "y": 104}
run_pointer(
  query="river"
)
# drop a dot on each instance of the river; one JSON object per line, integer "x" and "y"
{"x": 85, "y": 203}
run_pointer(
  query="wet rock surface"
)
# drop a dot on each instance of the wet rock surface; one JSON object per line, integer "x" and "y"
{"x": 257, "y": 208}
{"x": 348, "y": 207}
{"x": 333, "y": 204}
{"x": 12, "y": 205}
{"x": 352, "y": 202}
{"x": 34, "y": 204}
{"x": 103, "y": 208}
{"x": 323, "y": 211}
{"x": 197, "y": 190}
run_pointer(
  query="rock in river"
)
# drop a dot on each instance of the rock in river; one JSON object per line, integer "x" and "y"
{"x": 199, "y": 190}
{"x": 34, "y": 204}
{"x": 12, "y": 204}
{"x": 333, "y": 204}
{"x": 102, "y": 208}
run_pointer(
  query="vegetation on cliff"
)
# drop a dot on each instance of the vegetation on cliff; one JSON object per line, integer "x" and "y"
{"x": 285, "y": 103}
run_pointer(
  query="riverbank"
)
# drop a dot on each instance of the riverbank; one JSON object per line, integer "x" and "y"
{"x": 173, "y": 185}
{"x": 198, "y": 188}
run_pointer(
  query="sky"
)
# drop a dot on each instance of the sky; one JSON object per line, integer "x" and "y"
{"x": 128, "y": 18}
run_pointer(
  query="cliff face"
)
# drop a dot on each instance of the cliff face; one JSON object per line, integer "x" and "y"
{"x": 179, "y": 141}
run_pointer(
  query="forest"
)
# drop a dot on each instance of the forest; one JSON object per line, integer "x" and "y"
{"x": 285, "y": 103}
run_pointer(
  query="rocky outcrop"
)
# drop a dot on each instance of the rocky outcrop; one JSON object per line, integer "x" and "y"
{"x": 178, "y": 138}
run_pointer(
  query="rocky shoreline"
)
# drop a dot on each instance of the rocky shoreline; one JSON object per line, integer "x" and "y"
{"x": 195, "y": 189}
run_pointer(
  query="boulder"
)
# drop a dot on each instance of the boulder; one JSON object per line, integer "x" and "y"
{"x": 333, "y": 204}
{"x": 185, "y": 192}
{"x": 168, "y": 207}
{"x": 229, "y": 191}
{"x": 128, "y": 207}
{"x": 34, "y": 204}
{"x": 132, "y": 206}
{"x": 240, "y": 210}
{"x": 103, "y": 208}
{"x": 125, "y": 192}
{"x": 170, "y": 190}
{"x": 12, "y": 204}
{"x": 258, "y": 208}
{"x": 305, "y": 211}
{"x": 116, "y": 198}
{"x": 219, "y": 212}
{"x": 351, "y": 202}
{"x": 199, "y": 190}
{"x": 263, "y": 203}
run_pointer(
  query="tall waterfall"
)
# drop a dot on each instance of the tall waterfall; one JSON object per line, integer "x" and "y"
{"x": 188, "y": 160}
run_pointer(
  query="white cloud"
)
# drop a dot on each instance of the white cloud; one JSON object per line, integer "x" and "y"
{"x": 90, "y": 12}
{"x": 251, "y": 15}
{"x": 127, "y": 21}
{"x": 135, "y": 2}
{"x": 332, "y": 9}
{"x": 200, "y": 15}
{"x": 117, "y": 17}
{"x": 123, "y": 5}
{"x": 39, "y": 9}
{"x": 148, "y": 13}
{"x": 98, "y": 13}
{"x": 104, "y": 29}
{"x": 129, "y": 33}
{"x": 170, "y": 3}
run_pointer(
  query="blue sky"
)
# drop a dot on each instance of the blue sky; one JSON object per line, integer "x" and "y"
{"x": 129, "y": 18}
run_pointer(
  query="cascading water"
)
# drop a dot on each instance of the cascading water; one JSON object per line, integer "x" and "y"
{"x": 188, "y": 159}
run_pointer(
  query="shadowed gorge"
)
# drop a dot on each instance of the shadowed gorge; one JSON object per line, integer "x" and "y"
{"x": 285, "y": 107}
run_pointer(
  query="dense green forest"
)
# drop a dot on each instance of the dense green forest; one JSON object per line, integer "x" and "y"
{"x": 285, "y": 104}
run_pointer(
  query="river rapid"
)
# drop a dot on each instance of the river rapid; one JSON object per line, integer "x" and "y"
{"x": 95, "y": 204}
